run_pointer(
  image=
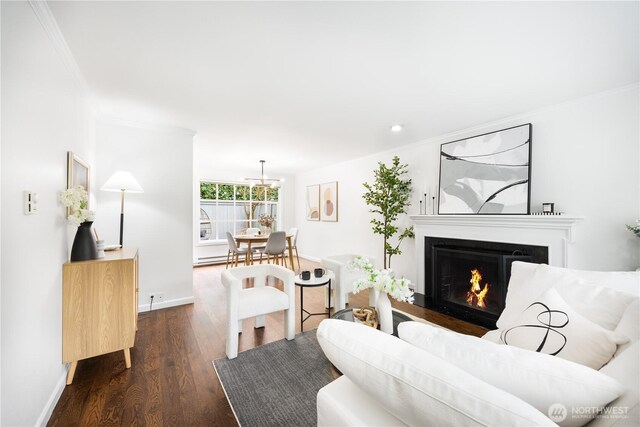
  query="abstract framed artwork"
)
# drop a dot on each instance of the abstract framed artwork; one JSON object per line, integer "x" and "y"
{"x": 313, "y": 203}
{"x": 329, "y": 201}
{"x": 487, "y": 174}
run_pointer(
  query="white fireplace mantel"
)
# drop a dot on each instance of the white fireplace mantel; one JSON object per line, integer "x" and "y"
{"x": 553, "y": 231}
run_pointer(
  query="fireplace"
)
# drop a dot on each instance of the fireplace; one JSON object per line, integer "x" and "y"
{"x": 468, "y": 279}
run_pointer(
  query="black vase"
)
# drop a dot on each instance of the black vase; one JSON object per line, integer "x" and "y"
{"x": 84, "y": 245}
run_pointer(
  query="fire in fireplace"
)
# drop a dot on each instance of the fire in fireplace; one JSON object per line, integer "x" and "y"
{"x": 476, "y": 294}
{"x": 469, "y": 279}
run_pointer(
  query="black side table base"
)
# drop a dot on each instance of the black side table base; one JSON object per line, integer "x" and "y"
{"x": 303, "y": 311}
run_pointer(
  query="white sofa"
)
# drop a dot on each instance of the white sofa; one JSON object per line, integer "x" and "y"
{"x": 428, "y": 376}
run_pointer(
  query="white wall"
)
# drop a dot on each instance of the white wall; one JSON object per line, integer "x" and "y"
{"x": 159, "y": 221}
{"x": 233, "y": 174}
{"x": 585, "y": 159}
{"x": 44, "y": 114}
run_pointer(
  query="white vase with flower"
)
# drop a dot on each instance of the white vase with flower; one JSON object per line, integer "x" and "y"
{"x": 76, "y": 201}
{"x": 384, "y": 284}
{"x": 266, "y": 221}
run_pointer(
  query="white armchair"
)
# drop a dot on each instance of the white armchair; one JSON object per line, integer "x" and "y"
{"x": 344, "y": 278}
{"x": 257, "y": 301}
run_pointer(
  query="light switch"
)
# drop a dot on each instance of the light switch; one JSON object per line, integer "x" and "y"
{"x": 30, "y": 202}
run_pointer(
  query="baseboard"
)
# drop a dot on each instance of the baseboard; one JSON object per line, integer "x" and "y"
{"x": 166, "y": 304}
{"x": 44, "y": 417}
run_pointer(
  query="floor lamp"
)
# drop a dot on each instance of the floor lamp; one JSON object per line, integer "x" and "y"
{"x": 124, "y": 182}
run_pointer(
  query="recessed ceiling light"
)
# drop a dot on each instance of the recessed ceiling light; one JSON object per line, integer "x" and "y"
{"x": 396, "y": 128}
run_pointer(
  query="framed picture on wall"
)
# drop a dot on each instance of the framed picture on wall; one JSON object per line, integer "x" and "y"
{"x": 313, "y": 203}
{"x": 487, "y": 174}
{"x": 78, "y": 173}
{"x": 329, "y": 201}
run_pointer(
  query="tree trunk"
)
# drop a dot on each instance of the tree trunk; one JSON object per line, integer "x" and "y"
{"x": 384, "y": 248}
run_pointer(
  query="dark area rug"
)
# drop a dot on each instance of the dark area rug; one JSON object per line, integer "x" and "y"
{"x": 276, "y": 384}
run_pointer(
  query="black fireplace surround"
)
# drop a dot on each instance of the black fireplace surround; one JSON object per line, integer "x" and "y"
{"x": 468, "y": 279}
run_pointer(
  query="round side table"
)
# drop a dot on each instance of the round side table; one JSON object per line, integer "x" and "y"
{"x": 312, "y": 283}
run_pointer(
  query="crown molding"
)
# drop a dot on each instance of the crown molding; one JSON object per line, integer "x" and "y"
{"x": 50, "y": 27}
{"x": 108, "y": 120}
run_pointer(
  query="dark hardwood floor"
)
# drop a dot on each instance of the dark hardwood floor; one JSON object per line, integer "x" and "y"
{"x": 172, "y": 380}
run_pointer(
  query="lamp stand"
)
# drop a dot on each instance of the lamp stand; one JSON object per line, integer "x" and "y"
{"x": 121, "y": 216}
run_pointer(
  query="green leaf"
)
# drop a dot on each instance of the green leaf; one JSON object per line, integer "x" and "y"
{"x": 388, "y": 197}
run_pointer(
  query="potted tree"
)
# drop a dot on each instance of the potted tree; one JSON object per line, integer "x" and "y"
{"x": 388, "y": 197}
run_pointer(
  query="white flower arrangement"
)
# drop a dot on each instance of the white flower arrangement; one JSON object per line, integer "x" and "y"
{"x": 635, "y": 230}
{"x": 76, "y": 200}
{"x": 382, "y": 280}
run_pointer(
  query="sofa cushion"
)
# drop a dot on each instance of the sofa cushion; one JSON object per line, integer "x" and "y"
{"x": 601, "y": 305}
{"x": 342, "y": 403}
{"x": 624, "y": 411}
{"x": 549, "y": 325}
{"x": 417, "y": 387}
{"x": 538, "y": 379}
{"x": 629, "y": 326}
{"x": 601, "y": 297}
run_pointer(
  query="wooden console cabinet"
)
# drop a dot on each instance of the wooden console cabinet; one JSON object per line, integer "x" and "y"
{"x": 99, "y": 307}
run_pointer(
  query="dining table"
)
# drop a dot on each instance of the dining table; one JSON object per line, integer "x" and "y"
{"x": 262, "y": 238}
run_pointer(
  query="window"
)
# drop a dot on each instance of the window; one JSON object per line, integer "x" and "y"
{"x": 234, "y": 208}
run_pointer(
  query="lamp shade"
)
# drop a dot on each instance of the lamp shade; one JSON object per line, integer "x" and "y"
{"x": 122, "y": 181}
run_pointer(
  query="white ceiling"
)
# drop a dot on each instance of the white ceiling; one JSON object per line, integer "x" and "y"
{"x": 304, "y": 84}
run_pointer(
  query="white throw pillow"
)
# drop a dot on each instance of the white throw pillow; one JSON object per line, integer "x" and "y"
{"x": 595, "y": 295}
{"x": 417, "y": 387}
{"x": 599, "y": 304}
{"x": 538, "y": 379}
{"x": 549, "y": 325}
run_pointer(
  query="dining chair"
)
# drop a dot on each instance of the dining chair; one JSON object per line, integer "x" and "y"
{"x": 276, "y": 245}
{"x": 255, "y": 247}
{"x": 294, "y": 243}
{"x": 235, "y": 251}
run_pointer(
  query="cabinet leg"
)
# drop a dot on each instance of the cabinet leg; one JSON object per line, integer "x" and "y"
{"x": 71, "y": 372}
{"x": 127, "y": 358}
